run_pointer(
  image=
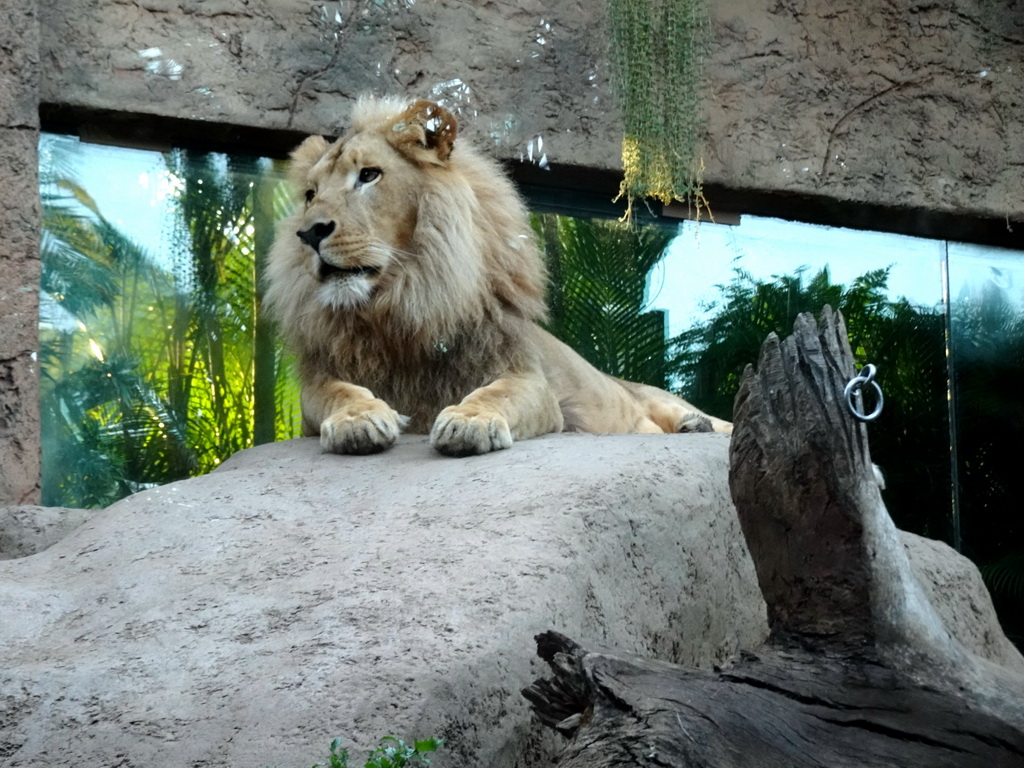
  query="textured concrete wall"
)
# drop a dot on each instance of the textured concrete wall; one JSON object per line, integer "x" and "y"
{"x": 892, "y": 102}
{"x": 19, "y": 253}
{"x": 885, "y": 102}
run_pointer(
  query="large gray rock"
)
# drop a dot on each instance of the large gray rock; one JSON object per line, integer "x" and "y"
{"x": 954, "y": 587}
{"x": 247, "y": 617}
{"x": 27, "y": 529}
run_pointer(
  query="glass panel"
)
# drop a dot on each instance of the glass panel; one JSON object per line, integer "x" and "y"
{"x": 600, "y": 270}
{"x": 987, "y": 293}
{"x": 725, "y": 288}
{"x": 687, "y": 307}
{"x": 155, "y": 362}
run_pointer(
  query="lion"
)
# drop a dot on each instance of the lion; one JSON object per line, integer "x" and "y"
{"x": 410, "y": 287}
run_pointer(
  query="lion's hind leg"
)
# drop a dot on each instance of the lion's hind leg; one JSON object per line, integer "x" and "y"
{"x": 674, "y": 417}
{"x": 673, "y": 414}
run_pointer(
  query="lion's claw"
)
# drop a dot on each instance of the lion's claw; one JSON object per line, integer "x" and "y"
{"x": 371, "y": 430}
{"x": 458, "y": 433}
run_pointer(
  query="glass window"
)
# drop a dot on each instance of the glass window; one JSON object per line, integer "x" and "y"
{"x": 942, "y": 322}
{"x": 598, "y": 296}
{"x": 725, "y": 288}
{"x": 155, "y": 363}
{"x": 687, "y": 307}
{"x": 987, "y": 348}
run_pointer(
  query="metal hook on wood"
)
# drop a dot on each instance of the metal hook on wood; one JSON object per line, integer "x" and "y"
{"x": 855, "y": 396}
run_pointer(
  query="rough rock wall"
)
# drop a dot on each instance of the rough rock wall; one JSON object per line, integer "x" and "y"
{"x": 19, "y": 249}
{"x": 247, "y": 617}
{"x": 517, "y": 69}
{"x": 890, "y": 102}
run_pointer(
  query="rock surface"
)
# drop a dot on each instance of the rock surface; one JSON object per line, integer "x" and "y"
{"x": 954, "y": 587}
{"x": 19, "y": 254}
{"x": 247, "y": 617}
{"x": 26, "y": 530}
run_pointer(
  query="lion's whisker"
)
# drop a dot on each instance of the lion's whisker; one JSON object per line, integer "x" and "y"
{"x": 390, "y": 250}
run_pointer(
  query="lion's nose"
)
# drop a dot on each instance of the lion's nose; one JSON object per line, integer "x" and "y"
{"x": 316, "y": 234}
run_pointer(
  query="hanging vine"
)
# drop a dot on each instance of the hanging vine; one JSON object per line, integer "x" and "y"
{"x": 658, "y": 48}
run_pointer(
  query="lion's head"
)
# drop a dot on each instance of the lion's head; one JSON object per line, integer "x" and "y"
{"x": 404, "y": 226}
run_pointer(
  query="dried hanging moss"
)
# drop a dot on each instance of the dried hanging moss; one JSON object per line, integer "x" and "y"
{"x": 658, "y": 49}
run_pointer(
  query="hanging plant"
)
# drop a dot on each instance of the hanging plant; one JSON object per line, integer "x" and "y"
{"x": 658, "y": 48}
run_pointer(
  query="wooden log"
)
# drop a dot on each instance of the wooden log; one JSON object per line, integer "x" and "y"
{"x": 828, "y": 558}
{"x": 858, "y": 671}
{"x": 773, "y": 709}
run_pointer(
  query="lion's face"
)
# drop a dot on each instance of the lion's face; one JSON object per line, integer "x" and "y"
{"x": 400, "y": 237}
{"x": 360, "y": 212}
{"x": 361, "y": 196}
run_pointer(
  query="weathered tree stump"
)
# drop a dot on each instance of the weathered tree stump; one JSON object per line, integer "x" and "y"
{"x": 859, "y": 670}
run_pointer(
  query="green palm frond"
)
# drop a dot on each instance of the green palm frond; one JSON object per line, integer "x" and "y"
{"x": 287, "y": 390}
{"x": 148, "y": 371}
{"x": 597, "y": 297}
{"x": 284, "y": 200}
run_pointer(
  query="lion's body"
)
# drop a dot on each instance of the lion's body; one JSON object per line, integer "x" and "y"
{"x": 414, "y": 287}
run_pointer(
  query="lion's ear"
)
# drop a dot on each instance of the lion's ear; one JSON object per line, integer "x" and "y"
{"x": 304, "y": 157}
{"x": 425, "y": 132}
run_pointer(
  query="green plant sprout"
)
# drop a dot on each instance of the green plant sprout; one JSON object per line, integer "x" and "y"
{"x": 392, "y": 753}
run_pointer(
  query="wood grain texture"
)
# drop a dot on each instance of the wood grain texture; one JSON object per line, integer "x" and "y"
{"x": 773, "y": 709}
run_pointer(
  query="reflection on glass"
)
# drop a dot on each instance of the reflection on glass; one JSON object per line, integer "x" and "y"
{"x": 155, "y": 363}
{"x": 599, "y": 274}
{"x": 725, "y": 288}
{"x": 987, "y": 295}
{"x": 706, "y": 256}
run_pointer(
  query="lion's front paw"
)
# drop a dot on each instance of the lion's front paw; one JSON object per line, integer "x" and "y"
{"x": 367, "y": 427}
{"x": 465, "y": 431}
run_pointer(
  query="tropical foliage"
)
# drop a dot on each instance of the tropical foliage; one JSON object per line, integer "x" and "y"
{"x": 598, "y": 293}
{"x": 912, "y": 441}
{"x": 905, "y": 343}
{"x": 391, "y": 753}
{"x": 153, "y": 369}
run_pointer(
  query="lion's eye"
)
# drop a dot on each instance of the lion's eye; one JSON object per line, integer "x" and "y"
{"x": 310, "y": 194}
{"x": 369, "y": 174}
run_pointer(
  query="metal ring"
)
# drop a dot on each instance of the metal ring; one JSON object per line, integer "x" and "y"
{"x": 853, "y": 390}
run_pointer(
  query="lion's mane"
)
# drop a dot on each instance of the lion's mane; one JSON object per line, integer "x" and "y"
{"x": 447, "y": 312}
